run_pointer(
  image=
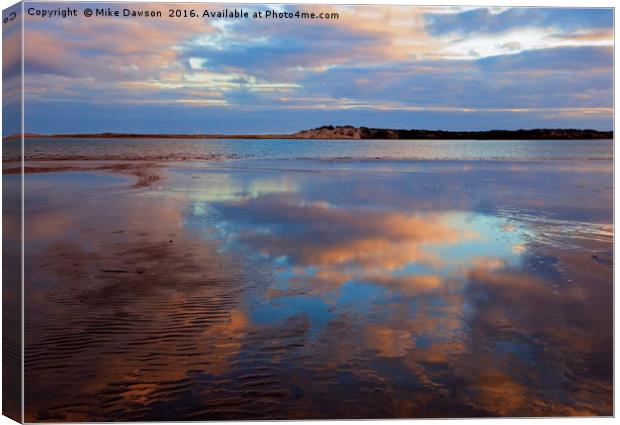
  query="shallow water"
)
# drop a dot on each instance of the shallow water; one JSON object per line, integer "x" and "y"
{"x": 313, "y": 289}
{"x": 226, "y": 149}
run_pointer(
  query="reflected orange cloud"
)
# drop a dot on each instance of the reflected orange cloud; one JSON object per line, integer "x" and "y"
{"x": 389, "y": 342}
{"x": 409, "y": 284}
{"x": 365, "y": 238}
{"x": 497, "y": 392}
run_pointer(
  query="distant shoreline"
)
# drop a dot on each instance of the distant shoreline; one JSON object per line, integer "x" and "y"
{"x": 349, "y": 132}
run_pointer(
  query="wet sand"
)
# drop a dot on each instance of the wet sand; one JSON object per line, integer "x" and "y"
{"x": 318, "y": 289}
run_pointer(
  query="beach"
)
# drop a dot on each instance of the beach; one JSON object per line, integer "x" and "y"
{"x": 307, "y": 211}
{"x": 260, "y": 287}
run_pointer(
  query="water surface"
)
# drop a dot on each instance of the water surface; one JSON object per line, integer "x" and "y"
{"x": 224, "y": 149}
{"x": 262, "y": 289}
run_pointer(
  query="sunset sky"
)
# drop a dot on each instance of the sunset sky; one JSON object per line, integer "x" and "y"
{"x": 378, "y": 66}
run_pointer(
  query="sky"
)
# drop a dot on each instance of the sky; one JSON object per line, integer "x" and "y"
{"x": 451, "y": 68}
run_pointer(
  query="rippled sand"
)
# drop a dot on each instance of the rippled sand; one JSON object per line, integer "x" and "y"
{"x": 305, "y": 289}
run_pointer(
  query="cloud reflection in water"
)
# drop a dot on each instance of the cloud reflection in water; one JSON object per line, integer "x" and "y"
{"x": 427, "y": 288}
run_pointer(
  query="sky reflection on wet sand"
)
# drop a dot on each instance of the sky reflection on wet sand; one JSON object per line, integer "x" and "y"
{"x": 414, "y": 289}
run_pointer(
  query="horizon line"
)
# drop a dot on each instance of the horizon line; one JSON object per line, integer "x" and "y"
{"x": 328, "y": 127}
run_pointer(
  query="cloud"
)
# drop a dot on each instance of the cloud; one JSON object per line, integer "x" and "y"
{"x": 486, "y": 21}
{"x": 531, "y": 81}
{"x": 559, "y": 59}
{"x": 404, "y": 71}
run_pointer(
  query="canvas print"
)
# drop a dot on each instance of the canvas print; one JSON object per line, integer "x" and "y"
{"x": 292, "y": 211}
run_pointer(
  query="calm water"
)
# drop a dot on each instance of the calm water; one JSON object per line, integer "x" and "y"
{"x": 188, "y": 149}
{"x": 312, "y": 289}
